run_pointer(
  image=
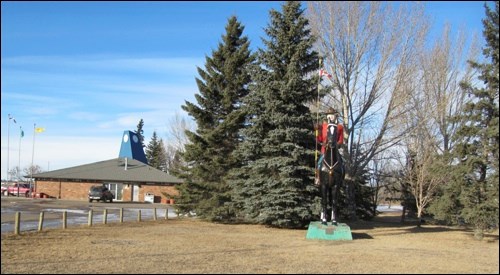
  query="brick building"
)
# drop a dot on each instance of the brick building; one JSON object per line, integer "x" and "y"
{"x": 128, "y": 177}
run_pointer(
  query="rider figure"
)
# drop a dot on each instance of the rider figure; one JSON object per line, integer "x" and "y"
{"x": 330, "y": 121}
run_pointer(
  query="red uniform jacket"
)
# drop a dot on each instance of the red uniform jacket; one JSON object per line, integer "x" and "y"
{"x": 323, "y": 135}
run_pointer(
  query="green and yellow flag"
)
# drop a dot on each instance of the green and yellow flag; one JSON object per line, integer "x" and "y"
{"x": 39, "y": 130}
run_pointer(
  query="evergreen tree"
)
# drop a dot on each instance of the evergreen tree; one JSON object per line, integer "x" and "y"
{"x": 218, "y": 115}
{"x": 156, "y": 154}
{"x": 140, "y": 132}
{"x": 275, "y": 184}
{"x": 475, "y": 189}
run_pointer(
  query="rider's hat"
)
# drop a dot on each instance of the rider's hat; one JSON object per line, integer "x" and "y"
{"x": 331, "y": 111}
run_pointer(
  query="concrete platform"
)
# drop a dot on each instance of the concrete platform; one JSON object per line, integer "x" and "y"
{"x": 339, "y": 232}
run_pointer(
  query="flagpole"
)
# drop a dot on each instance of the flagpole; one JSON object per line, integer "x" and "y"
{"x": 21, "y": 135}
{"x": 317, "y": 123}
{"x": 32, "y": 158}
{"x": 8, "y": 149}
{"x": 8, "y": 145}
{"x": 19, "y": 159}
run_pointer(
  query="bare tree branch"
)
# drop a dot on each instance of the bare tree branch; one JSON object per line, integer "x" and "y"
{"x": 371, "y": 51}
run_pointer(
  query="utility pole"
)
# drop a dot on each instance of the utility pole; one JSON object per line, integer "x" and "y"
{"x": 8, "y": 145}
{"x": 21, "y": 135}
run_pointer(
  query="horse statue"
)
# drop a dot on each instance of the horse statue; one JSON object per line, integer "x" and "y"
{"x": 331, "y": 176}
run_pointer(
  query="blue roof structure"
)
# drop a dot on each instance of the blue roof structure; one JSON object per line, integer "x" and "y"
{"x": 132, "y": 147}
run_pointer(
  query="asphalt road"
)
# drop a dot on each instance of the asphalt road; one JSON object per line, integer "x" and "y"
{"x": 77, "y": 212}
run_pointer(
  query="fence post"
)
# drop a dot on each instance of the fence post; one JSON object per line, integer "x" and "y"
{"x": 105, "y": 216}
{"x": 166, "y": 213}
{"x": 90, "y": 217}
{"x": 154, "y": 214}
{"x": 17, "y": 224}
{"x": 65, "y": 219}
{"x": 139, "y": 215}
{"x": 40, "y": 221}
{"x": 121, "y": 215}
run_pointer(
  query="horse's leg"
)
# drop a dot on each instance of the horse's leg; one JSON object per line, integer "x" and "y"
{"x": 329, "y": 198}
{"x": 324, "y": 197}
{"x": 335, "y": 188}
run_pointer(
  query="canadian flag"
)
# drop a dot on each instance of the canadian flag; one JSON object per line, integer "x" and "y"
{"x": 323, "y": 72}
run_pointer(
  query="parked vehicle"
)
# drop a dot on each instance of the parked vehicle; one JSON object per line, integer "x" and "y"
{"x": 100, "y": 193}
{"x": 23, "y": 189}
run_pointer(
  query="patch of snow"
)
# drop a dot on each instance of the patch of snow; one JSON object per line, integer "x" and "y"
{"x": 392, "y": 208}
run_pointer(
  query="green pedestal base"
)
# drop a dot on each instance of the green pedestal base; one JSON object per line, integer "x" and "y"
{"x": 339, "y": 232}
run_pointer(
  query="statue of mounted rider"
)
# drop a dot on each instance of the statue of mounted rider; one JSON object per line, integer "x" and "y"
{"x": 330, "y": 171}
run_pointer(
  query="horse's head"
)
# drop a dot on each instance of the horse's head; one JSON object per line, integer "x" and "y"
{"x": 331, "y": 137}
{"x": 331, "y": 155}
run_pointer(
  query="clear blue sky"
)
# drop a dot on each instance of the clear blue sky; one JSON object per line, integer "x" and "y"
{"x": 87, "y": 71}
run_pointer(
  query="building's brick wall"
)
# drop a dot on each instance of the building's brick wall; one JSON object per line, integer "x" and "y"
{"x": 50, "y": 188}
{"x": 158, "y": 191}
{"x": 64, "y": 190}
{"x": 79, "y": 190}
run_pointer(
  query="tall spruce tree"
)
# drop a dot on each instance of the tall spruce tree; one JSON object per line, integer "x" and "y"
{"x": 274, "y": 186}
{"x": 218, "y": 115}
{"x": 140, "y": 132}
{"x": 156, "y": 154}
{"x": 473, "y": 196}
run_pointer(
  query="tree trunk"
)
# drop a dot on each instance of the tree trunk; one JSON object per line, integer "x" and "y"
{"x": 403, "y": 214}
{"x": 350, "y": 191}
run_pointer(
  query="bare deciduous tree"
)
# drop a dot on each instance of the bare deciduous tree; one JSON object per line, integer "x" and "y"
{"x": 443, "y": 68}
{"x": 425, "y": 172}
{"x": 177, "y": 139}
{"x": 437, "y": 98}
{"x": 371, "y": 50}
{"x": 177, "y": 131}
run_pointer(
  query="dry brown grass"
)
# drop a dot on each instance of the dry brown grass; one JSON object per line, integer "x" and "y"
{"x": 192, "y": 246}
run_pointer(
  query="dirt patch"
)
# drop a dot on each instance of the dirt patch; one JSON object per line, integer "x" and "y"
{"x": 192, "y": 246}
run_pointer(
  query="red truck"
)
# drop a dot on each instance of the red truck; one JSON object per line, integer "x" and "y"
{"x": 24, "y": 189}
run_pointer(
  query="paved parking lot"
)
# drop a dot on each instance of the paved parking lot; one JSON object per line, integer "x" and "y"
{"x": 77, "y": 212}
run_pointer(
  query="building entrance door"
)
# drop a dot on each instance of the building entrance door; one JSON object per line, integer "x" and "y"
{"x": 135, "y": 192}
{"x": 116, "y": 189}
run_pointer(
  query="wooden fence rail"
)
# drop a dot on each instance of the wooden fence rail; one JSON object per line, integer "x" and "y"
{"x": 41, "y": 221}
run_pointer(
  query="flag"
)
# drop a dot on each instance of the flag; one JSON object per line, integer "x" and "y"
{"x": 324, "y": 72}
{"x": 39, "y": 129}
